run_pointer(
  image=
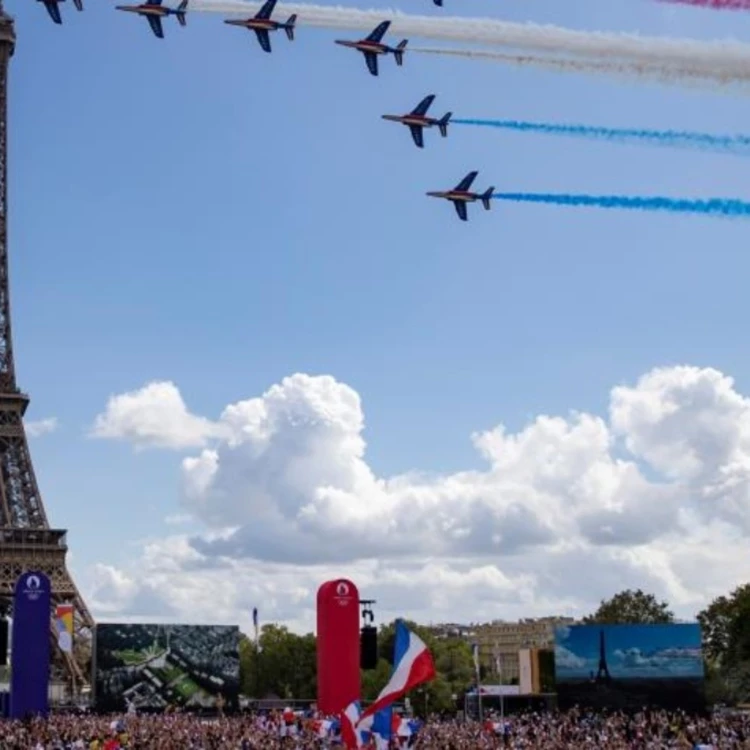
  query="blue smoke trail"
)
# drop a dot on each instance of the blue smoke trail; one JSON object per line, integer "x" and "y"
{"x": 730, "y": 207}
{"x": 733, "y": 144}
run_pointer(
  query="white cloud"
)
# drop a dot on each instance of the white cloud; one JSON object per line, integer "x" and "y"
{"x": 565, "y": 512}
{"x": 566, "y": 659}
{"x": 154, "y": 416}
{"x": 40, "y": 427}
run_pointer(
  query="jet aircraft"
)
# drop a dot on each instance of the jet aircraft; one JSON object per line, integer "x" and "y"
{"x": 371, "y": 47}
{"x": 53, "y": 8}
{"x": 461, "y": 195}
{"x": 261, "y": 24}
{"x": 417, "y": 120}
{"x": 155, "y": 11}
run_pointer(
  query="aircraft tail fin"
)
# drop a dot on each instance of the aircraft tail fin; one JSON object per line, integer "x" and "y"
{"x": 487, "y": 197}
{"x": 289, "y": 28}
{"x": 398, "y": 53}
{"x": 78, "y": 4}
{"x": 439, "y": 3}
{"x": 181, "y": 10}
{"x": 443, "y": 123}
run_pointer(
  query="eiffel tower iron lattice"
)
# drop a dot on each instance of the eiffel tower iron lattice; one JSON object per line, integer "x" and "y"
{"x": 26, "y": 540}
{"x": 602, "y": 674}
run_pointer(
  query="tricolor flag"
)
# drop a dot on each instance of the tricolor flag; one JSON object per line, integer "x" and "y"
{"x": 412, "y": 665}
{"x": 64, "y": 627}
{"x": 351, "y": 734}
{"x": 380, "y": 727}
{"x": 322, "y": 727}
{"x": 407, "y": 727}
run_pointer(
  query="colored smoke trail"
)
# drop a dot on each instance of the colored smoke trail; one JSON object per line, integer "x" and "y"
{"x": 717, "y": 4}
{"x": 689, "y": 77}
{"x": 716, "y": 60}
{"x": 728, "y": 207}
{"x": 733, "y": 144}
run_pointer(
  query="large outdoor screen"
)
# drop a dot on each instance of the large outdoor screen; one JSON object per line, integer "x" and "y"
{"x": 629, "y": 666}
{"x": 153, "y": 667}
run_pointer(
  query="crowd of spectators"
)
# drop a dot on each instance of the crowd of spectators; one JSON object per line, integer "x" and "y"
{"x": 574, "y": 730}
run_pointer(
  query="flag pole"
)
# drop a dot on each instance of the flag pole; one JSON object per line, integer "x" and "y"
{"x": 257, "y": 652}
{"x": 475, "y": 652}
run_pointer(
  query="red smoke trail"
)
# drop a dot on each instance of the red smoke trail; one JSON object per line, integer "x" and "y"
{"x": 717, "y": 4}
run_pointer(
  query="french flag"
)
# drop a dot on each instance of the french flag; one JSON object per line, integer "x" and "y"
{"x": 379, "y": 726}
{"x": 351, "y": 735}
{"x": 412, "y": 665}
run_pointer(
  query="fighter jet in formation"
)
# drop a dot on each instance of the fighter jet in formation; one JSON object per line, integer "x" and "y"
{"x": 53, "y": 8}
{"x": 154, "y": 11}
{"x": 417, "y": 120}
{"x": 371, "y": 47}
{"x": 261, "y": 24}
{"x": 461, "y": 195}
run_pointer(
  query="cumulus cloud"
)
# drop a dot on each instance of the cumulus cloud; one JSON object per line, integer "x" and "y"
{"x": 563, "y": 513}
{"x": 40, "y": 427}
{"x": 566, "y": 659}
{"x": 153, "y": 416}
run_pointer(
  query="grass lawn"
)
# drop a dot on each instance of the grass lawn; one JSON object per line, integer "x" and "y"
{"x": 185, "y": 687}
{"x": 131, "y": 657}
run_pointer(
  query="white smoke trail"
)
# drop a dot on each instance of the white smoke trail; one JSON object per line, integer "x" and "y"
{"x": 686, "y": 76}
{"x": 726, "y": 59}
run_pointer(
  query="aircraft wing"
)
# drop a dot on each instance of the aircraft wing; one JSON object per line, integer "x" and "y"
{"x": 379, "y": 32}
{"x": 78, "y": 4}
{"x": 465, "y": 184}
{"x": 53, "y": 8}
{"x": 424, "y": 105}
{"x": 417, "y": 133}
{"x": 461, "y": 210}
{"x": 155, "y": 24}
{"x": 372, "y": 62}
{"x": 263, "y": 39}
{"x": 266, "y": 10}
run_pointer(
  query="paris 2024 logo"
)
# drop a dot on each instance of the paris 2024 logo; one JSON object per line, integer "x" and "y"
{"x": 343, "y": 594}
{"x": 33, "y": 588}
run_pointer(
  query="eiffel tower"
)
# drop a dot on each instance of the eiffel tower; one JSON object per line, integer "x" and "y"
{"x": 602, "y": 674}
{"x": 26, "y": 540}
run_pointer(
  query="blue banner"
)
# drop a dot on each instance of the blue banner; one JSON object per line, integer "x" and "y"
{"x": 30, "y": 647}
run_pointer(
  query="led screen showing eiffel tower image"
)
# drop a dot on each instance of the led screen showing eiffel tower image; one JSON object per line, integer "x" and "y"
{"x": 154, "y": 667}
{"x": 629, "y": 666}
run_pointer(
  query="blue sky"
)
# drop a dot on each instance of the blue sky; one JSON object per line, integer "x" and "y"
{"x": 632, "y": 651}
{"x": 195, "y": 210}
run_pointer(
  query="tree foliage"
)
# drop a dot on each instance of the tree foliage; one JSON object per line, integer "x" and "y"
{"x": 726, "y": 646}
{"x": 632, "y": 608}
{"x": 726, "y": 627}
{"x": 285, "y": 666}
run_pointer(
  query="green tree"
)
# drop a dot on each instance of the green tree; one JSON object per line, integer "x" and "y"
{"x": 373, "y": 680}
{"x": 284, "y": 664}
{"x": 632, "y": 608}
{"x": 725, "y": 624}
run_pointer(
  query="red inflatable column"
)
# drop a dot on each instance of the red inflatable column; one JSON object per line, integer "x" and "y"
{"x": 338, "y": 645}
